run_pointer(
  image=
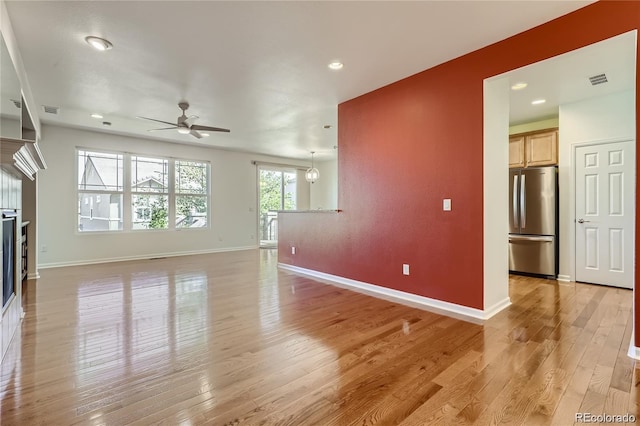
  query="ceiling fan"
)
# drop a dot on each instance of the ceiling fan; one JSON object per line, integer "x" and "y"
{"x": 184, "y": 125}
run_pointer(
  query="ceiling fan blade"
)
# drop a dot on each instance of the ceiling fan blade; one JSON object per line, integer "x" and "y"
{"x": 196, "y": 134}
{"x": 159, "y": 121}
{"x": 209, "y": 129}
{"x": 164, "y": 128}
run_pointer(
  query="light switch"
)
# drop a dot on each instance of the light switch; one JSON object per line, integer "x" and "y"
{"x": 446, "y": 204}
{"x": 405, "y": 269}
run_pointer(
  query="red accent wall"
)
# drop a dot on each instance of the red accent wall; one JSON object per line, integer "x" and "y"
{"x": 406, "y": 146}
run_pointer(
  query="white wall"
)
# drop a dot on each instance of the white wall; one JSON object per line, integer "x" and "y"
{"x": 599, "y": 119}
{"x": 233, "y": 202}
{"x": 324, "y": 193}
{"x": 495, "y": 174}
{"x": 10, "y": 128}
{"x": 549, "y": 123}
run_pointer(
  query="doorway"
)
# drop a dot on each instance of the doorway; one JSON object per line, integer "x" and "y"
{"x": 578, "y": 104}
{"x": 277, "y": 191}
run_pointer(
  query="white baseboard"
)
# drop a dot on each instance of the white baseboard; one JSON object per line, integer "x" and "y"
{"x": 33, "y": 276}
{"x": 413, "y": 300}
{"x": 141, "y": 257}
{"x": 564, "y": 278}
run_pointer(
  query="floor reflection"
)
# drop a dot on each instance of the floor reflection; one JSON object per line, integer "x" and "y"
{"x": 228, "y": 338}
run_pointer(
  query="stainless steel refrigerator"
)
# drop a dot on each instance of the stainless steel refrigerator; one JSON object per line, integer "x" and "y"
{"x": 533, "y": 220}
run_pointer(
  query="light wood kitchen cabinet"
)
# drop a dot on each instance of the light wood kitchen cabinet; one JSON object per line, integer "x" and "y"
{"x": 534, "y": 149}
{"x": 516, "y": 151}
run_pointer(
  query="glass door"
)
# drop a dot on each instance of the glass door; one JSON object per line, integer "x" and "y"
{"x": 277, "y": 192}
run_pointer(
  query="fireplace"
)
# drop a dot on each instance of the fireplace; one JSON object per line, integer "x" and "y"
{"x": 8, "y": 256}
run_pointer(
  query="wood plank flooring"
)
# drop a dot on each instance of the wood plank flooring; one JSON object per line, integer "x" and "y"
{"x": 228, "y": 339}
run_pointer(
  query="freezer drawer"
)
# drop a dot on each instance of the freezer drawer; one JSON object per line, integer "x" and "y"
{"x": 532, "y": 254}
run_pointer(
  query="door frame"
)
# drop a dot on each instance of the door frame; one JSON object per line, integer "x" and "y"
{"x": 572, "y": 202}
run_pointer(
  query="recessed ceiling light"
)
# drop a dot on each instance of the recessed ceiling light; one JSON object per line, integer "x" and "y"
{"x": 96, "y": 116}
{"x": 98, "y": 43}
{"x": 327, "y": 126}
{"x": 106, "y": 123}
{"x": 538, "y": 101}
{"x": 519, "y": 86}
{"x": 336, "y": 65}
{"x": 204, "y": 135}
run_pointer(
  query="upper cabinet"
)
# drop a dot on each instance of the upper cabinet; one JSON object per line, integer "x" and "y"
{"x": 516, "y": 151}
{"x": 534, "y": 149}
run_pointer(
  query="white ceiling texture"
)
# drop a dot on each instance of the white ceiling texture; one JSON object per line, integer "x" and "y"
{"x": 257, "y": 68}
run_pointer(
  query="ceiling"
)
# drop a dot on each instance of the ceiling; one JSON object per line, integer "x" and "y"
{"x": 565, "y": 78}
{"x": 258, "y": 68}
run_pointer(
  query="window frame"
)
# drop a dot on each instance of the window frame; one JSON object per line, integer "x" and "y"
{"x": 207, "y": 193}
{"x": 133, "y": 193}
{"x": 128, "y": 193}
{"x": 79, "y": 190}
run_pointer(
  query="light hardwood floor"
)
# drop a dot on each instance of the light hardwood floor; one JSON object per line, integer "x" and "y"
{"x": 229, "y": 339}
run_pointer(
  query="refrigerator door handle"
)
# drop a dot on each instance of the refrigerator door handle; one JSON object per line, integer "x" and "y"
{"x": 542, "y": 239}
{"x": 523, "y": 205}
{"x": 515, "y": 200}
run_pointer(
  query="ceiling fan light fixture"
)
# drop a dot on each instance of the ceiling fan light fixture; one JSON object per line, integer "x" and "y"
{"x": 204, "y": 134}
{"x": 312, "y": 174}
{"x": 184, "y": 130}
{"x": 98, "y": 43}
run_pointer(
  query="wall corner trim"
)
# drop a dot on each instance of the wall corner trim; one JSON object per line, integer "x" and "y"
{"x": 33, "y": 276}
{"x": 634, "y": 351}
{"x": 433, "y": 305}
{"x": 497, "y": 307}
{"x": 564, "y": 278}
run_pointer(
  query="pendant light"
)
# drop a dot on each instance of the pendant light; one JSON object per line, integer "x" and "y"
{"x": 312, "y": 174}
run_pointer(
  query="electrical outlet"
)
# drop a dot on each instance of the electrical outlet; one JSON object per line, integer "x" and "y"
{"x": 405, "y": 269}
{"x": 44, "y": 249}
{"x": 293, "y": 250}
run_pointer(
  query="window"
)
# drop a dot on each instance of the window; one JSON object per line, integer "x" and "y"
{"x": 100, "y": 177}
{"x": 160, "y": 193}
{"x": 149, "y": 193}
{"x": 191, "y": 194}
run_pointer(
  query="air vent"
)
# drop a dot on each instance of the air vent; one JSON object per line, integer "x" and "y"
{"x": 598, "y": 79}
{"x": 51, "y": 109}
{"x": 18, "y": 104}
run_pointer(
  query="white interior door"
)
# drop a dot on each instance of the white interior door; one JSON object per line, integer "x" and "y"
{"x": 604, "y": 200}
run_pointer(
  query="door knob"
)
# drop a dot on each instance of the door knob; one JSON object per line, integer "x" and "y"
{"x": 583, "y": 221}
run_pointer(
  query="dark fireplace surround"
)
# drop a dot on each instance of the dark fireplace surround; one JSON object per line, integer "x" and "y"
{"x": 8, "y": 255}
